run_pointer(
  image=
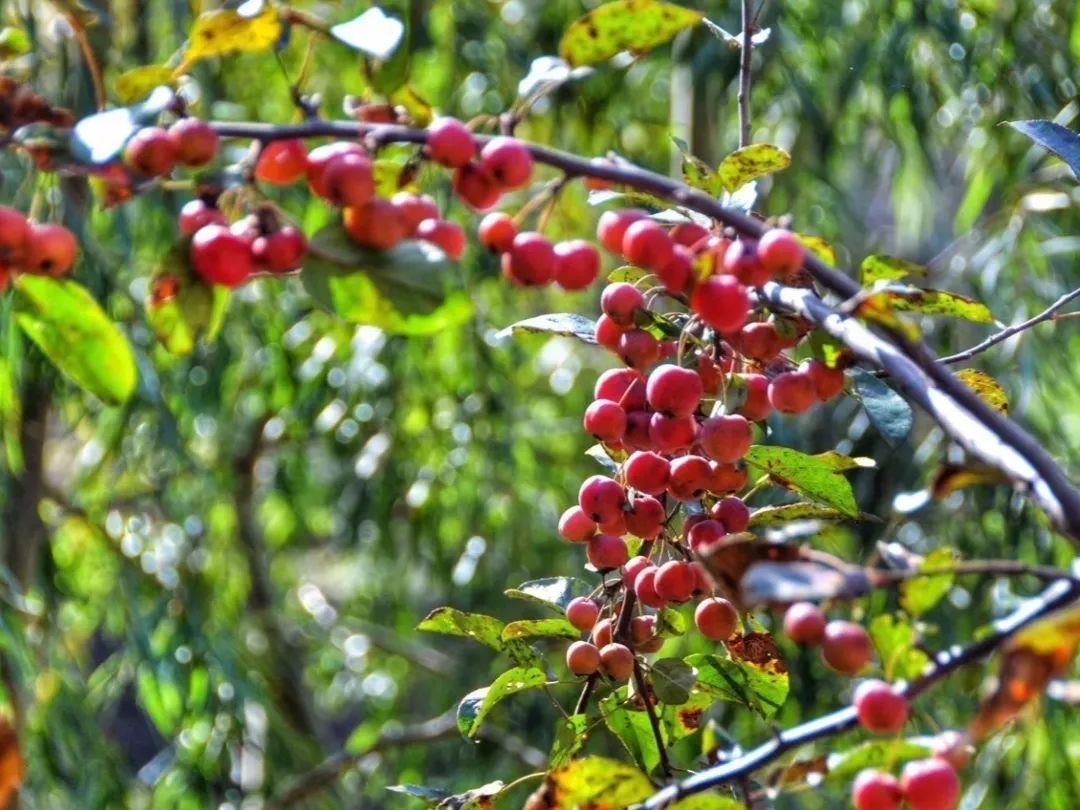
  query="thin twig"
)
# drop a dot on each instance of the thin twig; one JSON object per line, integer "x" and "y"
{"x": 994, "y": 567}
{"x": 998, "y": 337}
{"x": 643, "y": 690}
{"x": 746, "y": 56}
{"x": 92, "y": 66}
{"x": 1055, "y": 596}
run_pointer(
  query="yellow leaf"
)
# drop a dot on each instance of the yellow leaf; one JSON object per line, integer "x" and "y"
{"x": 986, "y": 387}
{"x": 135, "y": 84}
{"x": 750, "y": 163}
{"x": 819, "y": 247}
{"x": 217, "y": 33}
{"x": 637, "y": 26}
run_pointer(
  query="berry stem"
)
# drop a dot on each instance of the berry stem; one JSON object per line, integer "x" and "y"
{"x": 642, "y": 687}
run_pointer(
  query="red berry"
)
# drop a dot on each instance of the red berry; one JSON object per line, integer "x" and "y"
{"x": 716, "y": 618}
{"x": 674, "y": 581}
{"x": 601, "y": 498}
{"x": 282, "y": 162}
{"x": 605, "y": 420}
{"x": 530, "y": 260}
{"x": 638, "y": 348}
{"x": 705, "y": 533}
{"x": 197, "y": 213}
{"x": 722, "y": 302}
{"x": 150, "y": 152}
{"x": 615, "y": 526}
{"x": 601, "y": 633}
{"x": 414, "y": 209}
{"x": 633, "y": 567}
{"x": 576, "y": 526}
{"x": 879, "y": 708}
{"x": 780, "y": 252}
{"x": 725, "y": 438}
{"x": 508, "y": 161}
{"x": 606, "y": 551}
{"x": 733, "y": 513}
{"x": 450, "y": 143}
{"x": 756, "y": 405}
{"x": 194, "y": 141}
{"x": 689, "y": 234}
{"x": 759, "y": 341}
{"x": 476, "y": 187}
{"x": 846, "y": 647}
{"x": 673, "y": 390}
{"x": 741, "y": 260}
{"x": 690, "y": 476}
{"x": 448, "y": 236}
{"x": 875, "y": 790}
{"x": 577, "y": 264}
{"x": 792, "y": 392}
{"x": 612, "y": 226}
{"x": 669, "y": 434}
{"x": 607, "y": 333}
{"x": 643, "y": 632}
{"x": 349, "y": 180}
{"x": 497, "y": 232}
{"x": 678, "y": 271}
{"x": 622, "y": 385}
{"x": 930, "y": 784}
{"x": 619, "y": 301}
{"x": 645, "y": 518}
{"x": 617, "y": 662}
{"x": 14, "y": 231}
{"x": 319, "y": 159}
{"x": 647, "y": 472}
{"x": 50, "y": 249}
{"x": 726, "y": 478}
{"x": 638, "y": 426}
{"x": 219, "y": 256}
{"x": 280, "y": 251}
{"x": 582, "y": 658}
{"x": 645, "y": 588}
{"x": 646, "y": 244}
{"x": 828, "y": 382}
{"x": 804, "y": 623}
{"x": 376, "y": 224}
{"x": 582, "y": 613}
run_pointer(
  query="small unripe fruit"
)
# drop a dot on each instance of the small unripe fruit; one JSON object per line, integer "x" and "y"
{"x": 647, "y": 472}
{"x": 319, "y": 159}
{"x": 577, "y": 264}
{"x": 725, "y": 438}
{"x": 674, "y": 390}
{"x": 674, "y": 581}
{"x": 194, "y": 141}
{"x": 804, "y": 623}
{"x": 450, "y": 143}
{"x": 349, "y": 180}
{"x": 875, "y": 790}
{"x": 280, "y": 251}
{"x": 447, "y": 236}
{"x": 576, "y": 526}
{"x": 617, "y": 662}
{"x": 196, "y": 213}
{"x": 846, "y": 647}
{"x": 722, "y": 302}
{"x": 879, "y": 708}
{"x": 780, "y": 252}
{"x": 376, "y": 224}
{"x": 930, "y": 784}
{"x": 282, "y": 163}
{"x": 414, "y": 209}
{"x": 756, "y": 405}
{"x": 606, "y": 551}
{"x": 645, "y": 588}
{"x": 582, "y": 658}
{"x": 496, "y": 232}
{"x": 219, "y": 256}
{"x": 716, "y": 619}
{"x": 792, "y": 392}
{"x": 605, "y": 420}
{"x": 647, "y": 245}
{"x": 476, "y": 187}
{"x": 150, "y": 152}
{"x": 733, "y": 513}
{"x": 582, "y": 612}
{"x": 508, "y": 161}
{"x": 612, "y": 225}
{"x": 619, "y": 301}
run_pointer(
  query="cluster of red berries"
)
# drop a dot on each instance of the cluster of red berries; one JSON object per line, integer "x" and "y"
{"x": 156, "y": 151}
{"x": 924, "y": 784}
{"x": 845, "y": 646}
{"x": 29, "y": 247}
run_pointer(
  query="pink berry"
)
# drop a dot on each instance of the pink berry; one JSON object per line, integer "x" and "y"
{"x": 617, "y": 662}
{"x": 804, "y": 623}
{"x": 606, "y": 551}
{"x": 705, "y": 533}
{"x": 647, "y": 245}
{"x": 792, "y": 392}
{"x": 646, "y": 516}
{"x": 930, "y": 784}
{"x": 733, "y": 513}
{"x": 576, "y": 526}
{"x": 582, "y": 612}
{"x": 638, "y": 348}
{"x": 601, "y": 498}
{"x": 612, "y": 226}
{"x": 633, "y": 567}
{"x": 780, "y": 252}
{"x": 450, "y": 143}
{"x": 530, "y": 260}
{"x": 725, "y": 438}
{"x": 846, "y": 647}
{"x": 673, "y": 390}
{"x": 496, "y": 232}
{"x": 722, "y": 302}
{"x": 605, "y": 420}
{"x": 645, "y": 588}
{"x": 741, "y": 260}
{"x": 577, "y": 264}
{"x": 879, "y": 708}
{"x": 647, "y": 472}
{"x": 755, "y": 405}
{"x": 582, "y": 658}
{"x": 716, "y": 619}
{"x": 622, "y": 385}
{"x": 669, "y": 434}
{"x": 447, "y": 236}
{"x": 828, "y": 382}
{"x": 875, "y": 790}
{"x": 508, "y": 161}
{"x": 619, "y": 301}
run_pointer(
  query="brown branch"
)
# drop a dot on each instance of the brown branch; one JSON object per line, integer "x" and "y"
{"x": 643, "y": 690}
{"x": 746, "y": 56}
{"x": 944, "y": 663}
{"x": 1047, "y": 314}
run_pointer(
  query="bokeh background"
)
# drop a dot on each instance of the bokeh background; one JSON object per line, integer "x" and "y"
{"x": 211, "y": 591}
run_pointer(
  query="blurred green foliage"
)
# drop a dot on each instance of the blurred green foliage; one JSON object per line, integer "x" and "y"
{"x": 230, "y": 567}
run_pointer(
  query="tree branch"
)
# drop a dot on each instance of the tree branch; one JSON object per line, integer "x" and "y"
{"x": 1055, "y": 596}
{"x": 746, "y": 56}
{"x": 643, "y": 690}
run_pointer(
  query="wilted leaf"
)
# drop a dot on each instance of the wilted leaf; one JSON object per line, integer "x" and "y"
{"x": 373, "y": 33}
{"x": 595, "y": 783}
{"x": 986, "y": 387}
{"x": 686, "y": 718}
{"x": 887, "y": 268}
{"x": 561, "y": 323}
{"x": 952, "y": 477}
{"x": 569, "y": 738}
{"x": 753, "y": 673}
{"x": 929, "y": 302}
{"x": 69, "y": 327}
{"x": 137, "y": 83}
{"x": 801, "y": 581}
{"x": 481, "y": 798}
{"x": 881, "y": 754}
{"x": 894, "y": 640}
{"x": 887, "y": 410}
{"x": 12, "y": 767}
{"x": 809, "y": 476}
{"x": 750, "y": 163}
{"x": 552, "y": 592}
{"x": 632, "y": 728}
{"x": 224, "y": 31}
{"x": 534, "y": 628}
{"x": 1061, "y": 141}
{"x": 475, "y": 706}
{"x": 477, "y": 626}
{"x": 920, "y": 594}
{"x": 637, "y": 26}
{"x": 672, "y": 679}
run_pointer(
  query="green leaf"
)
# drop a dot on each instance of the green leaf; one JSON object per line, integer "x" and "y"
{"x": 633, "y": 275}
{"x": 887, "y": 410}
{"x": 14, "y": 42}
{"x": 425, "y": 794}
{"x": 671, "y": 623}
{"x": 920, "y": 594}
{"x": 476, "y": 705}
{"x": 931, "y": 302}
{"x": 632, "y": 728}
{"x": 881, "y": 754}
{"x": 750, "y": 163}
{"x": 894, "y": 640}
{"x": 221, "y": 32}
{"x": 986, "y": 387}
{"x": 707, "y": 802}
{"x": 686, "y": 718}
{"x": 599, "y": 782}
{"x": 402, "y": 290}
{"x": 569, "y": 738}
{"x": 879, "y": 267}
{"x": 672, "y": 679}
{"x": 841, "y": 462}
{"x": 809, "y": 476}
{"x": 637, "y": 26}
{"x": 373, "y": 33}
{"x": 69, "y": 327}
{"x": 785, "y": 513}
{"x": 136, "y": 84}
{"x": 11, "y": 418}
{"x": 533, "y": 628}
{"x": 477, "y": 626}
{"x": 557, "y": 323}
{"x": 764, "y": 689}
{"x": 604, "y": 457}
{"x": 551, "y": 592}
{"x": 1061, "y": 141}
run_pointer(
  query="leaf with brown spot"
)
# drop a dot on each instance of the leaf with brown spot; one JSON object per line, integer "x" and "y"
{"x": 753, "y": 673}
{"x": 988, "y": 389}
{"x": 750, "y": 163}
{"x": 637, "y": 26}
{"x": 216, "y": 33}
{"x": 591, "y": 783}
{"x": 929, "y": 302}
{"x": 12, "y": 767}
{"x": 887, "y": 268}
